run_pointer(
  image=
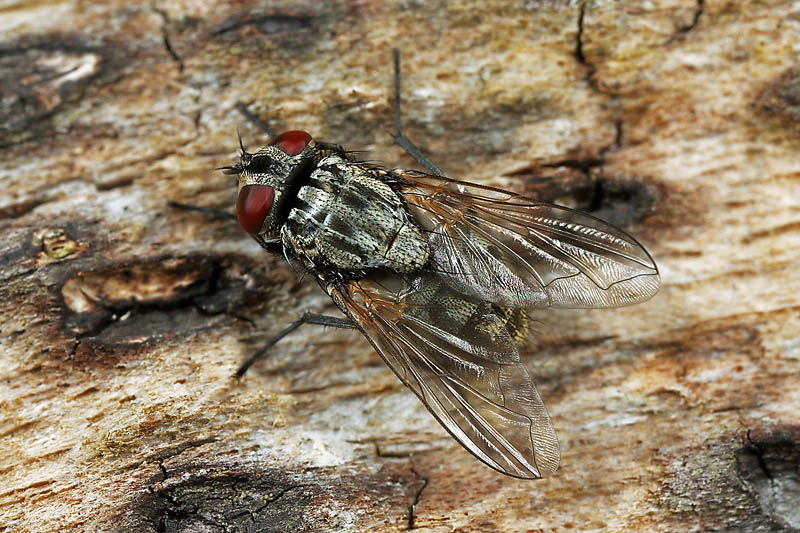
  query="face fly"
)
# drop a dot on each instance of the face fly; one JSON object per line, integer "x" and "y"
{"x": 439, "y": 275}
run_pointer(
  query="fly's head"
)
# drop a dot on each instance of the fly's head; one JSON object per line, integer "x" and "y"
{"x": 266, "y": 179}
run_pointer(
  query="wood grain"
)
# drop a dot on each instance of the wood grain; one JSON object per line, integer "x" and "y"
{"x": 123, "y": 320}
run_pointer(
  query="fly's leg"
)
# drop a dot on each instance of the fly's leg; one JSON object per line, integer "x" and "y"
{"x": 271, "y": 246}
{"x": 307, "y": 318}
{"x": 208, "y": 210}
{"x": 399, "y": 137}
{"x": 252, "y": 117}
{"x": 226, "y": 170}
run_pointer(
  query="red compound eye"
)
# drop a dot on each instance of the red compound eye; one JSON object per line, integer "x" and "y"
{"x": 291, "y": 142}
{"x": 253, "y": 205}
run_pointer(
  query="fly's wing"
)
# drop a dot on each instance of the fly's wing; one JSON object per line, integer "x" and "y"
{"x": 457, "y": 355}
{"x": 517, "y": 252}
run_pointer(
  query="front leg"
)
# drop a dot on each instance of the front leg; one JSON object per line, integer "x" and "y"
{"x": 207, "y": 210}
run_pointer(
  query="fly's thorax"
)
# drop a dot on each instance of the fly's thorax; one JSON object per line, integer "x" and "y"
{"x": 345, "y": 218}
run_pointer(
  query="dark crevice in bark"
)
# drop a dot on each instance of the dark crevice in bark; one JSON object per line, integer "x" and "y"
{"x": 165, "y": 37}
{"x": 757, "y": 451}
{"x": 580, "y": 56}
{"x": 586, "y": 165}
{"x": 697, "y": 14}
{"x": 123, "y": 310}
{"x": 171, "y": 51}
{"x": 163, "y": 470}
{"x": 268, "y": 23}
{"x": 274, "y": 499}
{"x": 579, "y": 37}
{"x": 580, "y": 53}
{"x": 205, "y": 500}
{"x": 23, "y": 208}
{"x": 390, "y": 455}
{"x": 415, "y": 501}
{"x": 617, "y": 139}
{"x": 768, "y": 467}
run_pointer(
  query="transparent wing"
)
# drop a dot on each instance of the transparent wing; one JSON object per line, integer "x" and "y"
{"x": 517, "y": 252}
{"x": 458, "y": 354}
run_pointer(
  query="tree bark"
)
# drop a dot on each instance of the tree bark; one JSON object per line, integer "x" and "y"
{"x": 123, "y": 320}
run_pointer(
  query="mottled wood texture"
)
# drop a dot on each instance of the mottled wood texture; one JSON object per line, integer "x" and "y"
{"x": 123, "y": 320}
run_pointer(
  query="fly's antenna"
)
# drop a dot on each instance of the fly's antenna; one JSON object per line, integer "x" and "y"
{"x": 241, "y": 144}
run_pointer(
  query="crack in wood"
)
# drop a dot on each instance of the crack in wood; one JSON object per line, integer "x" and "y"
{"x": 415, "y": 501}
{"x": 697, "y": 14}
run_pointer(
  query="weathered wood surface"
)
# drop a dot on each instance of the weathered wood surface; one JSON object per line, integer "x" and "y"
{"x": 122, "y": 320}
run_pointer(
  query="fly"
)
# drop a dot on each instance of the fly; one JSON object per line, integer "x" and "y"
{"x": 439, "y": 275}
